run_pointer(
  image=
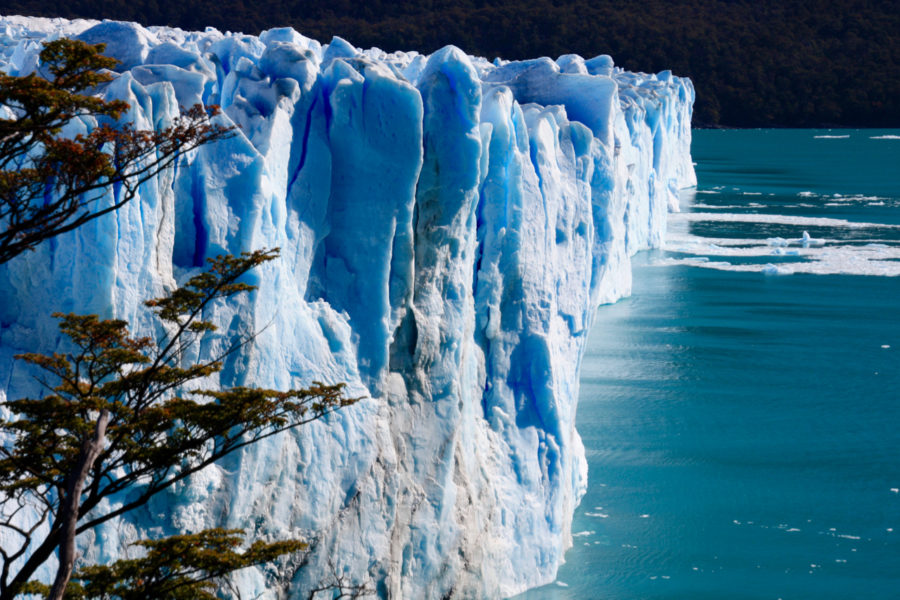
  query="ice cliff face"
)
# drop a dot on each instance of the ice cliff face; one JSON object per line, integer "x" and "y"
{"x": 447, "y": 227}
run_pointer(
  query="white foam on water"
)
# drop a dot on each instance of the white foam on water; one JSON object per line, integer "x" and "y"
{"x": 805, "y": 254}
{"x": 832, "y": 263}
{"x": 838, "y": 199}
{"x": 675, "y": 239}
{"x": 831, "y": 137}
{"x": 774, "y": 220}
{"x": 713, "y": 206}
{"x": 802, "y": 247}
{"x": 692, "y": 262}
{"x": 884, "y": 137}
{"x": 809, "y": 255}
{"x": 583, "y": 533}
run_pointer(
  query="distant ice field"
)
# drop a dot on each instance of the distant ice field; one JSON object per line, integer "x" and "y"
{"x": 823, "y": 203}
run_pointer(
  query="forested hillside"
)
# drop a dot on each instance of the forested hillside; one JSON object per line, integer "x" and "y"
{"x": 755, "y": 63}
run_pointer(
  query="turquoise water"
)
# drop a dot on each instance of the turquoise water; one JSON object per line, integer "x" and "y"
{"x": 742, "y": 427}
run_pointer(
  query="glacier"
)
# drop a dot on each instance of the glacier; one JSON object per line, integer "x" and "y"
{"x": 448, "y": 226}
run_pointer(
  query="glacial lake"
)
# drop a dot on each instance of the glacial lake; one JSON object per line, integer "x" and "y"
{"x": 741, "y": 411}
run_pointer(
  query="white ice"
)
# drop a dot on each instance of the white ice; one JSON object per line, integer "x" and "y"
{"x": 447, "y": 228}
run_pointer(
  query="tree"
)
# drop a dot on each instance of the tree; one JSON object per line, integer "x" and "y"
{"x": 180, "y": 567}
{"x": 114, "y": 418}
{"x": 51, "y": 184}
{"x": 116, "y": 415}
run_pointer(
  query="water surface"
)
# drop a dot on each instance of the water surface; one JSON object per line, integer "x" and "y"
{"x": 741, "y": 411}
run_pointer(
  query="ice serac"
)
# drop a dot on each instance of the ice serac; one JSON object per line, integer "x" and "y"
{"x": 447, "y": 228}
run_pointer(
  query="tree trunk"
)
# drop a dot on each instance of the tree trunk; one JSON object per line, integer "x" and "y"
{"x": 90, "y": 449}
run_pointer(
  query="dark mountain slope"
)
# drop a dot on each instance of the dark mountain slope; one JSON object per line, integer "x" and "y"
{"x": 755, "y": 63}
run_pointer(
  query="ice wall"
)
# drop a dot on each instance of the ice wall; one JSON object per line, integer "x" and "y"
{"x": 447, "y": 228}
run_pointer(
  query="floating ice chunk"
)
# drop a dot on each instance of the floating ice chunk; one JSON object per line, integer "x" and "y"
{"x": 809, "y": 242}
{"x": 771, "y": 269}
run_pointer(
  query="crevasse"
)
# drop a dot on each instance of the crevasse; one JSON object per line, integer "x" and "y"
{"x": 447, "y": 228}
